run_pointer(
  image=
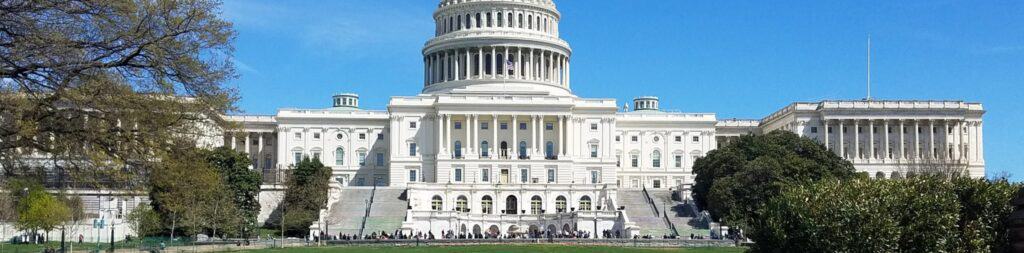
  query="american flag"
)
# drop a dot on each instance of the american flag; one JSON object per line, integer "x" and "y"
{"x": 509, "y": 65}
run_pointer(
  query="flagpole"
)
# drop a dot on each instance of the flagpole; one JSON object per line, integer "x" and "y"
{"x": 869, "y": 67}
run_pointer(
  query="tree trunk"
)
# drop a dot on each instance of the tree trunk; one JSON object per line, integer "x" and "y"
{"x": 174, "y": 221}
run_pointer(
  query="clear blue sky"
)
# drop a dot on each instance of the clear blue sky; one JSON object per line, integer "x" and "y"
{"x": 739, "y": 59}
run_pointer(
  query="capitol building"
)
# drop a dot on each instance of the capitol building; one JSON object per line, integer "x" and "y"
{"x": 496, "y": 143}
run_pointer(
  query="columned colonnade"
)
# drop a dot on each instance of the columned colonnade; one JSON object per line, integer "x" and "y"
{"x": 904, "y": 139}
{"x": 496, "y": 62}
{"x": 473, "y": 139}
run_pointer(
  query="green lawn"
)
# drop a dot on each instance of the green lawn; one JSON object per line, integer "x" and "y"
{"x": 498, "y": 248}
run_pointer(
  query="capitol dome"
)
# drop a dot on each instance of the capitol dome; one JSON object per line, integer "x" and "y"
{"x": 497, "y": 47}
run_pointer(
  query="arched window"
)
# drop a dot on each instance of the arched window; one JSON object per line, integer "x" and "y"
{"x": 478, "y": 20}
{"x": 520, "y": 20}
{"x": 485, "y": 149}
{"x": 511, "y": 205}
{"x": 488, "y": 62}
{"x": 458, "y": 149}
{"x": 436, "y": 203}
{"x": 895, "y": 175}
{"x": 468, "y": 18}
{"x": 501, "y": 64}
{"x": 536, "y": 205}
{"x": 560, "y": 205}
{"x": 501, "y": 19}
{"x": 656, "y": 159}
{"x": 451, "y": 24}
{"x": 487, "y": 205}
{"x": 509, "y": 23}
{"x": 549, "y": 150}
{"x": 489, "y": 20}
{"x": 339, "y": 156}
{"x": 522, "y": 149}
{"x": 529, "y": 22}
{"x": 545, "y": 24}
{"x": 585, "y": 203}
{"x": 880, "y": 175}
{"x": 462, "y": 204}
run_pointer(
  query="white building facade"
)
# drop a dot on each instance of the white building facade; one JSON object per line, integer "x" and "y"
{"x": 496, "y": 143}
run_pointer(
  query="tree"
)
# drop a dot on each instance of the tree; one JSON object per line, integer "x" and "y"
{"x": 7, "y": 213}
{"x": 305, "y": 196}
{"x": 144, "y": 221}
{"x": 105, "y": 86}
{"x": 735, "y": 181}
{"x": 984, "y": 204}
{"x": 243, "y": 183}
{"x": 184, "y": 190}
{"x": 42, "y": 211}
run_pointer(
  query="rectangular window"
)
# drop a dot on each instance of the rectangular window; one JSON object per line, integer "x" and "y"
{"x": 593, "y": 126}
{"x": 412, "y": 176}
{"x": 380, "y": 136}
{"x": 380, "y": 159}
{"x": 522, "y": 126}
{"x": 696, "y": 139}
{"x": 551, "y": 175}
{"x": 634, "y": 138}
{"x": 298, "y": 136}
{"x": 504, "y": 125}
{"x": 634, "y": 161}
{"x": 524, "y": 175}
{"x": 860, "y": 130}
{"x": 657, "y": 184}
{"x": 362, "y": 158}
{"x": 814, "y": 130}
{"x": 412, "y": 124}
{"x": 316, "y": 156}
{"x": 679, "y": 139}
{"x": 549, "y": 126}
{"x": 618, "y": 138}
{"x": 594, "y": 177}
{"x": 829, "y": 129}
{"x": 458, "y": 125}
{"x": 298, "y": 157}
{"x": 316, "y": 136}
{"x": 483, "y": 125}
{"x": 362, "y": 136}
{"x": 412, "y": 149}
{"x": 679, "y": 161}
{"x": 485, "y": 175}
{"x": 458, "y": 174}
{"x": 593, "y": 151}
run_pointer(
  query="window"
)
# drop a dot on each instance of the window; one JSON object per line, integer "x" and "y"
{"x": 380, "y": 159}
{"x": 458, "y": 174}
{"x": 549, "y": 150}
{"x": 551, "y": 175}
{"x": 485, "y": 175}
{"x": 593, "y": 150}
{"x": 524, "y": 175}
{"x": 679, "y": 138}
{"x": 656, "y": 159}
{"x": 860, "y": 130}
{"x": 656, "y": 139}
{"x": 412, "y": 149}
{"x": 267, "y": 162}
{"x": 340, "y": 136}
{"x": 657, "y": 184}
{"x": 362, "y": 136}
{"x": 535, "y": 205}
{"x": 458, "y": 149}
{"x": 618, "y": 160}
{"x": 298, "y": 136}
{"x": 585, "y": 203}
{"x": 487, "y": 205}
{"x": 560, "y": 206}
{"x": 380, "y": 136}
{"x": 462, "y": 204}
{"x": 478, "y": 23}
{"x": 633, "y": 138}
{"x": 595, "y": 177}
{"x": 339, "y": 156}
{"x": 618, "y": 138}
{"x": 412, "y": 176}
{"x": 485, "y": 149}
{"x": 436, "y": 203}
{"x": 362, "y": 158}
{"x": 412, "y": 124}
{"x": 503, "y": 125}
{"x": 696, "y": 139}
{"x": 522, "y": 149}
{"x": 549, "y": 126}
{"x": 298, "y": 157}
{"x": 593, "y": 126}
{"x": 814, "y": 129}
{"x": 679, "y": 161}
{"x": 316, "y": 136}
{"x": 522, "y": 126}
{"x": 634, "y": 160}
{"x": 829, "y": 129}
{"x": 483, "y": 125}
{"x": 458, "y": 125}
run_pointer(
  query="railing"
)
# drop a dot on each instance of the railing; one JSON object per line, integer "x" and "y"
{"x": 369, "y": 206}
{"x": 650, "y": 202}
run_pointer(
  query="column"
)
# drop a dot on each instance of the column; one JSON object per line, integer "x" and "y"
{"x": 233, "y": 141}
{"x": 842, "y": 142}
{"x": 248, "y": 145}
{"x": 504, "y": 65}
{"x": 856, "y": 139}
{"x": 529, "y": 66}
{"x": 568, "y": 72}
{"x": 480, "y": 64}
{"x": 448, "y": 133}
{"x": 945, "y": 141}
{"x": 827, "y": 133}
{"x": 543, "y": 68}
{"x": 533, "y": 135}
{"x": 494, "y": 61}
{"x": 541, "y": 130}
{"x": 917, "y": 139}
{"x": 886, "y": 154}
{"x": 903, "y": 144}
{"x": 981, "y": 141}
{"x": 259, "y": 147}
{"x": 426, "y": 75}
{"x": 439, "y": 120}
{"x": 470, "y": 127}
{"x": 960, "y": 140}
{"x": 458, "y": 59}
{"x": 469, "y": 64}
{"x": 563, "y": 134}
{"x": 444, "y": 66}
{"x": 494, "y": 136}
{"x": 871, "y": 142}
{"x": 515, "y": 141}
{"x": 931, "y": 139}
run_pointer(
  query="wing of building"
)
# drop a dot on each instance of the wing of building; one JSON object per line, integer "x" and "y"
{"x": 497, "y": 144}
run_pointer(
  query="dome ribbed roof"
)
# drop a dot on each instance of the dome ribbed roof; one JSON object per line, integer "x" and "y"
{"x": 538, "y": 2}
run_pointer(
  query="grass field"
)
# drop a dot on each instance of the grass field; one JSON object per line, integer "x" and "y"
{"x": 498, "y": 248}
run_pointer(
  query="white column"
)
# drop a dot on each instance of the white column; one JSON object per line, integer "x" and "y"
{"x": 981, "y": 141}
{"x": 886, "y": 154}
{"x": 458, "y": 60}
{"x": 842, "y": 141}
{"x": 233, "y": 141}
{"x": 960, "y": 154}
{"x": 856, "y": 139}
{"x": 945, "y": 141}
{"x": 439, "y": 123}
{"x": 568, "y": 72}
{"x": 505, "y": 58}
{"x": 248, "y": 145}
{"x": 871, "y": 142}
{"x": 827, "y": 127}
{"x": 480, "y": 65}
{"x": 533, "y": 136}
{"x": 259, "y": 147}
{"x": 494, "y": 136}
{"x": 931, "y": 139}
{"x": 917, "y": 139}
{"x": 515, "y": 141}
{"x": 494, "y": 59}
{"x": 562, "y": 134}
{"x": 903, "y": 143}
{"x": 448, "y": 133}
{"x": 529, "y": 65}
{"x": 543, "y": 127}
{"x": 469, "y": 64}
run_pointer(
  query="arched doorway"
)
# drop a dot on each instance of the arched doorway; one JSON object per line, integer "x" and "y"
{"x": 511, "y": 205}
{"x": 522, "y": 149}
{"x": 477, "y": 233}
{"x": 504, "y": 149}
{"x": 552, "y": 229}
{"x": 566, "y": 228}
{"x": 493, "y": 231}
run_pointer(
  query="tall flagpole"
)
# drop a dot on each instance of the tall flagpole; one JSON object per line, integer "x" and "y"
{"x": 869, "y": 67}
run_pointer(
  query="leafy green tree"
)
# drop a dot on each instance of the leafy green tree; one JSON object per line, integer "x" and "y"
{"x": 984, "y": 204}
{"x": 243, "y": 183}
{"x": 306, "y": 194}
{"x": 81, "y": 78}
{"x": 185, "y": 190}
{"x": 42, "y": 211}
{"x": 144, "y": 221}
{"x": 735, "y": 181}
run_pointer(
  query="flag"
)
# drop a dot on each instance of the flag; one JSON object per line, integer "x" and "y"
{"x": 509, "y": 65}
